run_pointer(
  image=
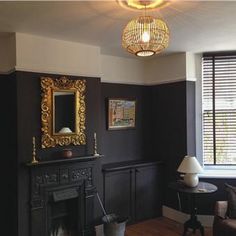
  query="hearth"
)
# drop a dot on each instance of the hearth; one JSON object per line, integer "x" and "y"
{"x": 62, "y": 197}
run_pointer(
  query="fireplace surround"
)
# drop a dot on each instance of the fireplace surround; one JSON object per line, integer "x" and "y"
{"x": 62, "y": 197}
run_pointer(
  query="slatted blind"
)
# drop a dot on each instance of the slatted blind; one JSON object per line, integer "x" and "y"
{"x": 219, "y": 109}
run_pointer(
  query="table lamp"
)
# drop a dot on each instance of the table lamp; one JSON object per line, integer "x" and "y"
{"x": 190, "y": 167}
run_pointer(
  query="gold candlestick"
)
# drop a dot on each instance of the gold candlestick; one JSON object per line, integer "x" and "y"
{"x": 34, "y": 161}
{"x": 95, "y": 145}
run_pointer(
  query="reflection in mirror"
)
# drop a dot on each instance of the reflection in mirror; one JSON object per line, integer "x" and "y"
{"x": 65, "y": 130}
{"x": 64, "y": 112}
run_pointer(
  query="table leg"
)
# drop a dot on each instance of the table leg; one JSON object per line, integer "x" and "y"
{"x": 193, "y": 222}
{"x": 185, "y": 229}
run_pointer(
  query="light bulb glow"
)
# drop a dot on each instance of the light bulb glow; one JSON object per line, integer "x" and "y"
{"x": 145, "y": 37}
{"x": 142, "y": 4}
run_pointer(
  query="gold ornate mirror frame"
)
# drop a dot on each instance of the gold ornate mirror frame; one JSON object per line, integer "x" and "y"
{"x": 48, "y": 86}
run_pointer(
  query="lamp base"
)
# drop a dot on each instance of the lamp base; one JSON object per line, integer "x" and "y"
{"x": 191, "y": 180}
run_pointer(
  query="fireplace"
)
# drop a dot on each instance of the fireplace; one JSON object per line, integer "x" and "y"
{"x": 62, "y": 197}
{"x": 65, "y": 211}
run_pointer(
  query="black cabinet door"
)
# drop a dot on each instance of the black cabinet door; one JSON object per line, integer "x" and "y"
{"x": 148, "y": 189}
{"x": 118, "y": 190}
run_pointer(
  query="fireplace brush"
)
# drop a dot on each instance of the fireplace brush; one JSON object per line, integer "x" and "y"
{"x": 109, "y": 218}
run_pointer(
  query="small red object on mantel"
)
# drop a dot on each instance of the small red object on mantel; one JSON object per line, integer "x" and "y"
{"x": 66, "y": 153}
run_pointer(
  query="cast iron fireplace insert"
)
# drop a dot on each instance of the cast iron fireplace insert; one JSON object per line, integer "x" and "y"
{"x": 62, "y": 197}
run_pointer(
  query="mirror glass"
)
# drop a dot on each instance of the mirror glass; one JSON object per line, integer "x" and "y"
{"x": 64, "y": 112}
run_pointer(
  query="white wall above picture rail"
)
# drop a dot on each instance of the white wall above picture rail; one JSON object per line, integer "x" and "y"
{"x": 56, "y": 56}
{"x": 25, "y": 52}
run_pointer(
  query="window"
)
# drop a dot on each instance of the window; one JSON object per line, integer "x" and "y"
{"x": 219, "y": 109}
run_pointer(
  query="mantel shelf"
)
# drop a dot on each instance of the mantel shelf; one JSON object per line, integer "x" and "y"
{"x": 64, "y": 160}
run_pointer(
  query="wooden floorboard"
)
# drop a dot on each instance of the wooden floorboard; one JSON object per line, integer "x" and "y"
{"x": 161, "y": 227}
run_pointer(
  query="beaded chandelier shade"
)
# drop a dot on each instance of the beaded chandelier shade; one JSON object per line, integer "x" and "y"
{"x": 145, "y": 36}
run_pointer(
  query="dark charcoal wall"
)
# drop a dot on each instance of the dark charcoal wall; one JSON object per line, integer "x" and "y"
{"x": 174, "y": 137}
{"x": 116, "y": 146}
{"x": 165, "y": 127}
{"x": 165, "y": 130}
{"x": 8, "y": 154}
{"x": 130, "y": 144}
{"x": 29, "y": 124}
{"x": 169, "y": 124}
{"x": 173, "y": 114}
{"x": 29, "y": 115}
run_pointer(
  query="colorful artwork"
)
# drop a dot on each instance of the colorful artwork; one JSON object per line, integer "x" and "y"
{"x": 121, "y": 114}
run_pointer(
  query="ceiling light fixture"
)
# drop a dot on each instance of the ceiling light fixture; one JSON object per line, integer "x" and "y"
{"x": 145, "y": 36}
{"x": 141, "y": 4}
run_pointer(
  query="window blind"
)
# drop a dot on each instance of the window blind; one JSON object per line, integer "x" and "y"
{"x": 219, "y": 109}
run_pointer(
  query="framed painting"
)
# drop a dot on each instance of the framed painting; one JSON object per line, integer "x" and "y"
{"x": 121, "y": 113}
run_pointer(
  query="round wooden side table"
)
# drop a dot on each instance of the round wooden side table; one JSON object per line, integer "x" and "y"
{"x": 202, "y": 188}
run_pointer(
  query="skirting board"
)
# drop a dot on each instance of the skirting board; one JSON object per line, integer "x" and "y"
{"x": 178, "y": 216}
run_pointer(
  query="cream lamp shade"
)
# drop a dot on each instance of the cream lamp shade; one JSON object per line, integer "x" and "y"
{"x": 65, "y": 130}
{"x": 190, "y": 167}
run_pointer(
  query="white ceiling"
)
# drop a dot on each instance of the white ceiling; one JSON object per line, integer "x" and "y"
{"x": 196, "y": 26}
